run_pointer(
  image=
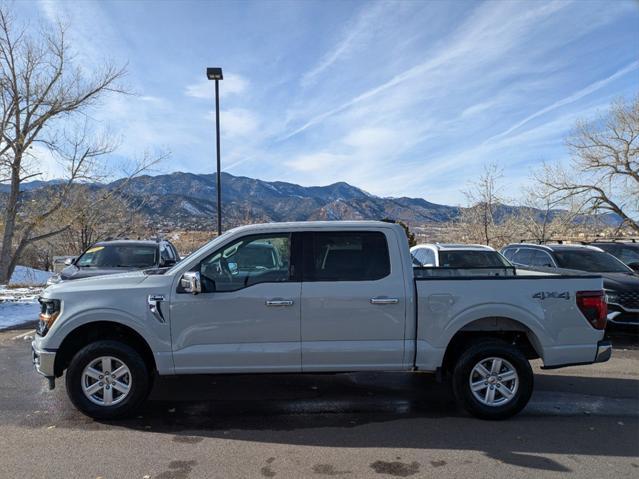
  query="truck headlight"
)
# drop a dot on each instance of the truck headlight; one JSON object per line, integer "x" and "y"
{"x": 49, "y": 312}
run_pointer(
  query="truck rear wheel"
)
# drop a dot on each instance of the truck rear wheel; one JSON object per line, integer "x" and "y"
{"x": 493, "y": 380}
{"x": 107, "y": 380}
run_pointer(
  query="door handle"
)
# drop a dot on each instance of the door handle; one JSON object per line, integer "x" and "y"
{"x": 384, "y": 300}
{"x": 279, "y": 302}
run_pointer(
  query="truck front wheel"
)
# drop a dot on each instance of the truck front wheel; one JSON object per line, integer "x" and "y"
{"x": 492, "y": 380}
{"x": 107, "y": 380}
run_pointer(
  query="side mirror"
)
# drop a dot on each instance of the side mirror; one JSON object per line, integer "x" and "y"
{"x": 69, "y": 261}
{"x": 190, "y": 282}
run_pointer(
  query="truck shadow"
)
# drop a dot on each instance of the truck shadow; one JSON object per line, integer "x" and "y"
{"x": 380, "y": 410}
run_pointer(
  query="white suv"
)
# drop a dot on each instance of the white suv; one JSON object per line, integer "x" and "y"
{"x": 443, "y": 255}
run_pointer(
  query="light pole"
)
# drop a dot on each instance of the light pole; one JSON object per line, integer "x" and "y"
{"x": 215, "y": 73}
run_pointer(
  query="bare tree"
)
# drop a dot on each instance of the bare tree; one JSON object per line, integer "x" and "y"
{"x": 96, "y": 215}
{"x": 45, "y": 103}
{"x": 479, "y": 220}
{"x": 604, "y": 171}
{"x": 544, "y": 215}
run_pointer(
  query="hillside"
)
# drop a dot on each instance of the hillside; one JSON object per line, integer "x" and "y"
{"x": 190, "y": 198}
{"x": 187, "y": 200}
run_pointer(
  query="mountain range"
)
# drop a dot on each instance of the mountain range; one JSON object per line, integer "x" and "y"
{"x": 188, "y": 197}
{"x": 189, "y": 200}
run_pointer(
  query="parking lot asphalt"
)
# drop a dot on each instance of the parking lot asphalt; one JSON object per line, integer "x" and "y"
{"x": 582, "y": 421}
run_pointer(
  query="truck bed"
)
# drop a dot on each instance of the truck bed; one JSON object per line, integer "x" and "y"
{"x": 541, "y": 306}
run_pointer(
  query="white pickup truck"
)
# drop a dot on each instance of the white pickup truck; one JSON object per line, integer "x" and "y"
{"x": 315, "y": 297}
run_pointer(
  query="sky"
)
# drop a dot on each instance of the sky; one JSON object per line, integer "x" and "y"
{"x": 401, "y": 98}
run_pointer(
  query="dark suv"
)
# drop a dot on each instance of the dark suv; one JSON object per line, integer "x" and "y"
{"x": 118, "y": 256}
{"x": 626, "y": 251}
{"x": 620, "y": 282}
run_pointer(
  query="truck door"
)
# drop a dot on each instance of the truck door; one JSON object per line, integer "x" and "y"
{"x": 247, "y": 317}
{"x": 353, "y": 301}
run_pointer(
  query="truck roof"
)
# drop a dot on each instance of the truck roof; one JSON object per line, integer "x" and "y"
{"x": 316, "y": 225}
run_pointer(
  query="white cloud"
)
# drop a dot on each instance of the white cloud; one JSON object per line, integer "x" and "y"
{"x": 371, "y": 139}
{"x": 578, "y": 95}
{"x": 236, "y": 122}
{"x": 50, "y": 8}
{"x": 317, "y": 162}
{"x": 367, "y": 19}
{"x": 232, "y": 84}
{"x": 489, "y": 34}
{"x": 153, "y": 100}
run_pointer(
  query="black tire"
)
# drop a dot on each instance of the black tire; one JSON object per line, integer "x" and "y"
{"x": 462, "y": 375}
{"x": 140, "y": 379}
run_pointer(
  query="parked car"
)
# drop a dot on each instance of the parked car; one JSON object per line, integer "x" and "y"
{"x": 461, "y": 259}
{"x": 626, "y": 251}
{"x": 448, "y": 255}
{"x": 61, "y": 262}
{"x": 118, "y": 256}
{"x": 620, "y": 282}
{"x": 337, "y": 297}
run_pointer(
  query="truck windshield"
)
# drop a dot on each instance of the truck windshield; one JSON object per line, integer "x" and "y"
{"x": 118, "y": 256}
{"x": 472, "y": 259}
{"x": 591, "y": 261}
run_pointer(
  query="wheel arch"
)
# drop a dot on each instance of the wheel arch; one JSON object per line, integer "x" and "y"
{"x": 501, "y": 328}
{"x": 101, "y": 330}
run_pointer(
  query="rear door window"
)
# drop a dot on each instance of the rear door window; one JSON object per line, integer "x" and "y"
{"x": 523, "y": 256}
{"x": 346, "y": 256}
{"x": 425, "y": 256}
{"x": 541, "y": 258}
{"x": 509, "y": 253}
{"x": 166, "y": 254}
{"x": 628, "y": 254}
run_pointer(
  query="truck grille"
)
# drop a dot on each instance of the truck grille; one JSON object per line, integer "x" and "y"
{"x": 629, "y": 299}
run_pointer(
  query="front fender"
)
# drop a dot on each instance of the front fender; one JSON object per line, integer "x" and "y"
{"x": 156, "y": 335}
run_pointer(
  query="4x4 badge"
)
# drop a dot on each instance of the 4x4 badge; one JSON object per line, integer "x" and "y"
{"x": 552, "y": 295}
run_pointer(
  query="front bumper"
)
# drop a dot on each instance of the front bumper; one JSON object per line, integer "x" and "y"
{"x": 44, "y": 362}
{"x": 623, "y": 317}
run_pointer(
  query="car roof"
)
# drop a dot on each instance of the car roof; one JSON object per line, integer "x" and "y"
{"x": 453, "y": 247}
{"x": 555, "y": 247}
{"x": 123, "y": 242}
{"x": 632, "y": 244}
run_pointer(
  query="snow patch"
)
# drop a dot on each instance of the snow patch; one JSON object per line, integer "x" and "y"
{"x": 194, "y": 210}
{"x": 269, "y": 186}
{"x": 18, "y": 314}
{"x": 29, "y": 276}
{"x": 18, "y": 306}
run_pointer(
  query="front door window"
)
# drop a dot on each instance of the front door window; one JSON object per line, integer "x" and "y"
{"x": 247, "y": 261}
